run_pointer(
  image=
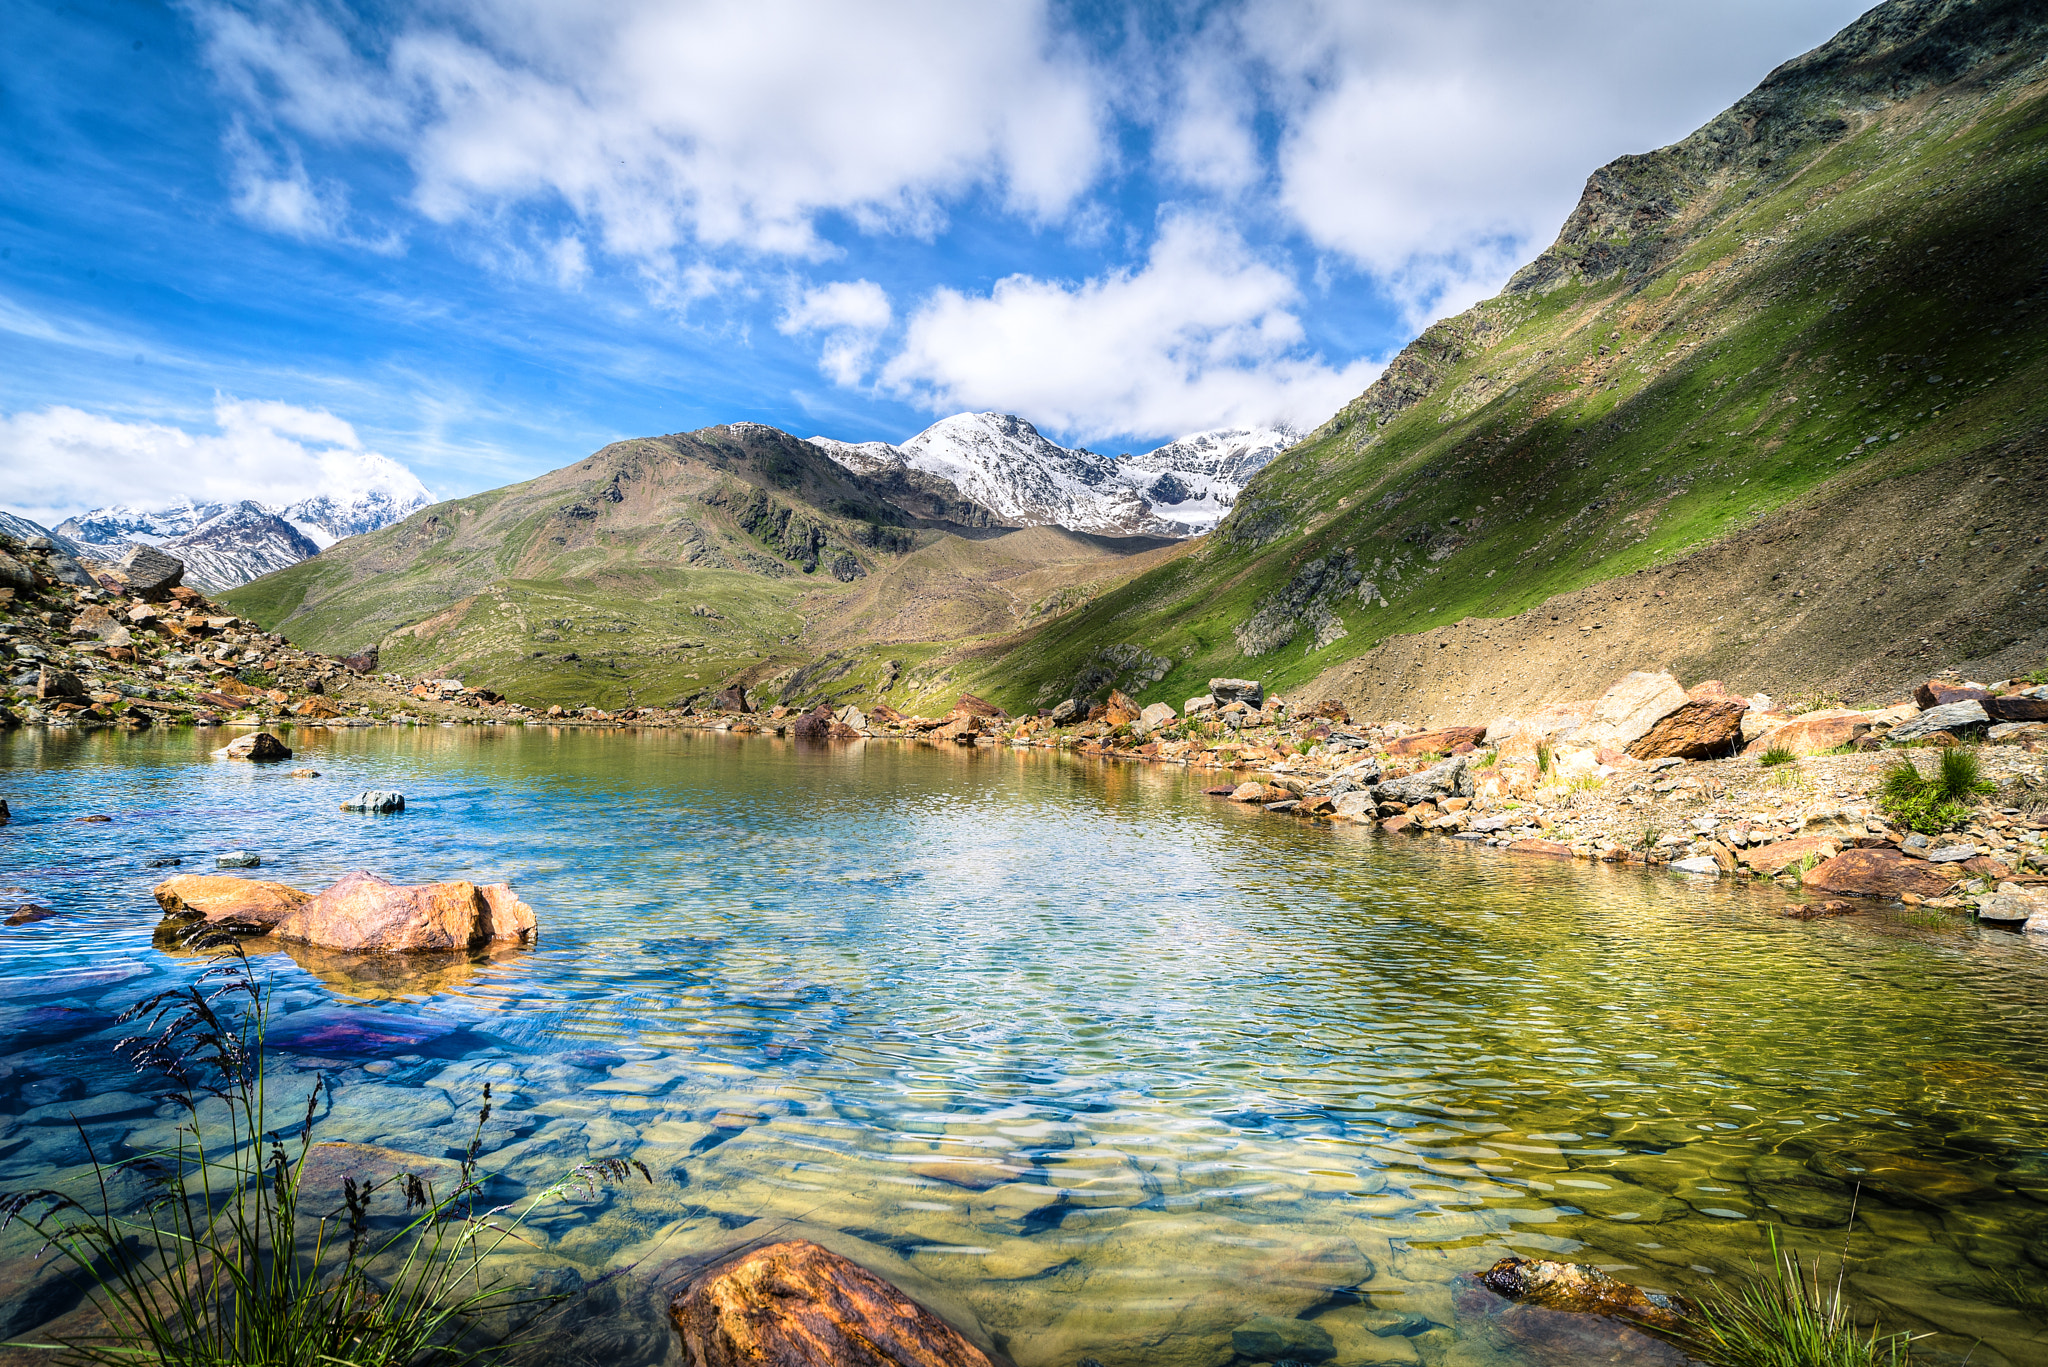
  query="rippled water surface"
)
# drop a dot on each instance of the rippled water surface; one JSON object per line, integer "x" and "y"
{"x": 1070, "y": 1051}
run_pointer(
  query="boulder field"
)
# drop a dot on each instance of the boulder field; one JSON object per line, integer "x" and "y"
{"x": 360, "y": 912}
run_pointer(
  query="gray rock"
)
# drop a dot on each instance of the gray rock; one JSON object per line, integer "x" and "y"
{"x": 15, "y": 575}
{"x": 375, "y": 800}
{"x": 237, "y": 859}
{"x": 1952, "y": 854}
{"x": 1700, "y": 864}
{"x": 1156, "y": 715}
{"x": 1492, "y": 823}
{"x": 1357, "y": 806}
{"x": 1914, "y": 846}
{"x": 69, "y": 571}
{"x": 150, "y": 571}
{"x": 1204, "y": 703}
{"x": 1286, "y": 805}
{"x": 1250, "y": 692}
{"x": 56, "y": 683}
{"x": 2010, "y": 909}
{"x": 1268, "y": 1338}
{"x": 1954, "y": 717}
{"x": 1067, "y": 712}
{"x": 40, "y": 543}
{"x": 1450, "y": 778}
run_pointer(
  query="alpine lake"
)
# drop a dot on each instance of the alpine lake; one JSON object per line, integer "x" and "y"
{"x": 1092, "y": 1065}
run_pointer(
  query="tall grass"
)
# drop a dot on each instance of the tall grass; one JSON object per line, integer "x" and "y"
{"x": 1787, "y": 1316}
{"x": 226, "y": 1266}
{"x": 1934, "y": 804}
{"x": 1776, "y": 755}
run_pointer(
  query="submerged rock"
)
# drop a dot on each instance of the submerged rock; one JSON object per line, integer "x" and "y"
{"x": 237, "y": 859}
{"x": 1585, "y": 1289}
{"x": 795, "y": 1304}
{"x": 374, "y": 800}
{"x": 1269, "y": 1338}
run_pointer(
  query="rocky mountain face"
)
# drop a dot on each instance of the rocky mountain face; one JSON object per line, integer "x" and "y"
{"x": 227, "y": 544}
{"x": 1809, "y": 337}
{"x": 1007, "y": 465}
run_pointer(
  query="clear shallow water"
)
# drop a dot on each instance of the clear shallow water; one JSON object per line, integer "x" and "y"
{"x": 1108, "y": 1066}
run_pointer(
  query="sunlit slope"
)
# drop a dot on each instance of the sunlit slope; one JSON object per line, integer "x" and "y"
{"x": 1836, "y": 282}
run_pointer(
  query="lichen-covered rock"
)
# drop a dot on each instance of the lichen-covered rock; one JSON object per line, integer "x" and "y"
{"x": 1953, "y": 718}
{"x": 1451, "y": 778}
{"x": 795, "y": 1304}
{"x": 1250, "y": 692}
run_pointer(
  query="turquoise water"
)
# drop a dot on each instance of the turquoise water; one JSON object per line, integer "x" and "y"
{"x": 1085, "y": 1060}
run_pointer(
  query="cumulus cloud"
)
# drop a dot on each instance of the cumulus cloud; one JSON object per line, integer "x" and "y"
{"x": 62, "y": 460}
{"x": 659, "y": 124}
{"x": 1204, "y": 334}
{"x": 852, "y": 314}
{"x": 1438, "y": 146}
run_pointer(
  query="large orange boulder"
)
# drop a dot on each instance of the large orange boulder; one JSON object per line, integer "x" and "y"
{"x": 980, "y": 708}
{"x": 1940, "y": 692}
{"x": 794, "y": 1304}
{"x": 1880, "y": 873}
{"x": 239, "y": 906}
{"x": 365, "y": 912}
{"x": 1813, "y": 734}
{"x": 1705, "y": 728}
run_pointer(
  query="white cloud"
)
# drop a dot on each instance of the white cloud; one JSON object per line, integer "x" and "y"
{"x": 660, "y": 125}
{"x": 62, "y": 461}
{"x": 1203, "y": 335}
{"x": 852, "y": 314}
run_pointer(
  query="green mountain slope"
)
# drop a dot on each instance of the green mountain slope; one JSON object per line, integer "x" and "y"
{"x": 1837, "y": 282}
{"x": 662, "y": 568}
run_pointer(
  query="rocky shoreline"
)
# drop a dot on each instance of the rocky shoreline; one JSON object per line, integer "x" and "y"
{"x": 1652, "y": 774}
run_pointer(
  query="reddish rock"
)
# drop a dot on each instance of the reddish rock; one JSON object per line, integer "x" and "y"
{"x": 1395, "y": 824}
{"x": 1315, "y": 806}
{"x": 1880, "y": 873}
{"x": 1259, "y": 792}
{"x": 1811, "y": 734}
{"x": 365, "y": 912}
{"x": 1780, "y": 856}
{"x": 1439, "y": 742}
{"x": 239, "y": 906}
{"x": 1705, "y": 728}
{"x": 1939, "y": 693}
{"x": 969, "y": 703}
{"x": 1713, "y": 690}
{"x": 733, "y": 699}
{"x": 217, "y": 700}
{"x": 1548, "y": 847}
{"x": 881, "y": 711}
{"x": 2016, "y": 709}
{"x": 1819, "y": 911}
{"x": 814, "y": 725}
{"x": 795, "y": 1304}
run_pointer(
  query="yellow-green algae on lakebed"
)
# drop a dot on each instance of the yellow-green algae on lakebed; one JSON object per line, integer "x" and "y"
{"x": 1109, "y": 1066}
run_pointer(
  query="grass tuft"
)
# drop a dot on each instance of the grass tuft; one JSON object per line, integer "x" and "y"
{"x": 1937, "y": 804}
{"x": 1787, "y": 1316}
{"x": 1775, "y": 756}
{"x": 223, "y": 1267}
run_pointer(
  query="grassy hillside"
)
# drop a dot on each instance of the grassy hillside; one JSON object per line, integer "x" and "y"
{"x": 1837, "y": 282}
{"x": 663, "y": 568}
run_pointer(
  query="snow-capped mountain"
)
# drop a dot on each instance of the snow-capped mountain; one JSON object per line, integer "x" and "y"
{"x": 225, "y": 544}
{"x": 1192, "y": 483}
{"x": 21, "y": 529}
{"x": 1004, "y": 463}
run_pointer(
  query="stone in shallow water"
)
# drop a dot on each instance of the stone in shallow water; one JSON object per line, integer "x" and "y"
{"x": 1269, "y": 1338}
{"x": 794, "y": 1304}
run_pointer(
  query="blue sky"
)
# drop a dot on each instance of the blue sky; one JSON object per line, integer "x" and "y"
{"x": 246, "y": 246}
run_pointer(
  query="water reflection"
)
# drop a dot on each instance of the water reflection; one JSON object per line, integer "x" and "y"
{"x": 1114, "y": 1068}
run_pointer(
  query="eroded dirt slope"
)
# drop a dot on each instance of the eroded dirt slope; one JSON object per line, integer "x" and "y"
{"x": 1858, "y": 593}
